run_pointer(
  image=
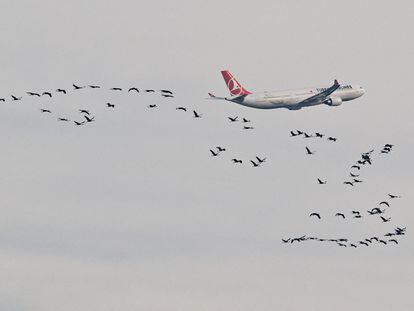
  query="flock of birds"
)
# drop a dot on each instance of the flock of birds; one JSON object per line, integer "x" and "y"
{"x": 354, "y": 174}
{"x": 86, "y": 116}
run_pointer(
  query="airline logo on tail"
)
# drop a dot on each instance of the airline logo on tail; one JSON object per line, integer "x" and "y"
{"x": 234, "y": 87}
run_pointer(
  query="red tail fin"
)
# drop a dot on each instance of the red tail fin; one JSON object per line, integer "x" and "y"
{"x": 234, "y": 87}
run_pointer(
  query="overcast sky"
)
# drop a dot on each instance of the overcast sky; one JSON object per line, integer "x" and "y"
{"x": 131, "y": 212}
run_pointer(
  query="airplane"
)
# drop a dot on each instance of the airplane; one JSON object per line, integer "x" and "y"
{"x": 292, "y": 100}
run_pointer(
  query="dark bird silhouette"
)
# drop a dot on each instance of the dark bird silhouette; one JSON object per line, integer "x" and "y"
{"x": 385, "y": 203}
{"x": 321, "y": 182}
{"x": 354, "y": 175}
{"x": 286, "y": 241}
{"x": 214, "y": 154}
{"x": 76, "y": 87}
{"x": 2, "y": 100}
{"x": 15, "y": 97}
{"x": 389, "y": 234}
{"x": 293, "y": 134}
{"x": 392, "y": 196}
{"x": 352, "y": 245}
{"x": 79, "y": 123}
{"x": 167, "y": 95}
{"x": 348, "y": 183}
{"x": 355, "y": 212}
{"x": 341, "y": 244}
{"x": 368, "y": 240}
{"x": 308, "y": 151}
{"x": 33, "y": 94}
{"x": 152, "y": 106}
{"x": 357, "y": 180}
{"x": 299, "y": 132}
{"x": 167, "y": 92}
{"x": 89, "y": 119}
{"x": 237, "y": 161}
{"x": 357, "y": 216}
{"x": 94, "y": 86}
{"x": 307, "y": 135}
{"x": 196, "y": 115}
{"x": 383, "y": 242}
{"x": 181, "y": 108}
{"x": 220, "y": 149}
{"x": 332, "y": 138}
{"x": 245, "y": 120}
{"x": 319, "y": 135}
{"x": 356, "y": 166}
{"x": 248, "y": 127}
{"x": 233, "y": 119}
{"x": 254, "y": 163}
{"x": 375, "y": 238}
{"x": 340, "y": 214}
{"x": 393, "y": 240}
{"x": 133, "y": 89}
{"x": 315, "y": 214}
{"x": 385, "y": 219}
{"x": 61, "y": 91}
{"x": 45, "y": 110}
{"x": 375, "y": 211}
{"x": 47, "y": 93}
{"x": 63, "y": 119}
{"x": 260, "y": 160}
{"x": 84, "y": 111}
{"x": 115, "y": 89}
{"x": 149, "y": 91}
{"x": 363, "y": 243}
{"x": 109, "y": 105}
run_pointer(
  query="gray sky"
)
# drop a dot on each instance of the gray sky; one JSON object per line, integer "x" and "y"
{"x": 132, "y": 213}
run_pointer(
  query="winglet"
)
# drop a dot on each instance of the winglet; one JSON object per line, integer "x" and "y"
{"x": 336, "y": 82}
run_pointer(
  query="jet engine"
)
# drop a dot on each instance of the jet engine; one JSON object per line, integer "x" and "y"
{"x": 334, "y": 101}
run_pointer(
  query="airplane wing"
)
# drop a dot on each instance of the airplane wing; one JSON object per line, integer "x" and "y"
{"x": 322, "y": 96}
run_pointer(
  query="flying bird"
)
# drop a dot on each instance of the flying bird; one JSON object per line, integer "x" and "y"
{"x": 61, "y": 91}
{"x": 385, "y": 219}
{"x": 331, "y": 138}
{"x": 152, "y": 106}
{"x": 47, "y": 93}
{"x": 248, "y": 127}
{"x": 319, "y": 135}
{"x": 315, "y": 214}
{"x": 393, "y": 240}
{"x": 357, "y": 180}
{"x": 167, "y": 92}
{"x": 84, "y": 111}
{"x": 79, "y": 123}
{"x": 167, "y": 95}
{"x": 354, "y": 175}
{"x": 94, "y": 86}
{"x": 15, "y": 97}
{"x": 109, "y": 105}
{"x": 76, "y": 87}
{"x": 363, "y": 243}
{"x": 214, "y": 154}
{"x": 237, "y": 161}
{"x": 181, "y": 108}
{"x": 356, "y": 166}
{"x": 133, "y": 89}
{"x": 260, "y": 160}
{"x": 308, "y": 151}
{"x": 340, "y": 214}
{"x": 63, "y": 119}
{"x": 392, "y": 196}
{"x": 149, "y": 91}
{"x": 245, "y": 120}
{"x": 2, "y": 100}
{"x": 286, "y": 241}
{"x": 254, "y": 163}
{"x": 115, "y": 89}
{"x": 383, "y": 242}
{"x": 45, "y": 110}
{"x": 33, "y": 94}
{"x": 89, "y": 119}
{"x": 196, "y": 115}
{"x": 233, "y": 119}
{"x": 385, "y": 203}
{"x": 293, "y": 134}
{"x": 220, "y": 149}
{"x": 321, "y": 182}
{"x": 348, "y": 183}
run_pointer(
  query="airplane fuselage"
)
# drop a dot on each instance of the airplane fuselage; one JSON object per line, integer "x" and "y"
{"x": 294, "y": 99}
